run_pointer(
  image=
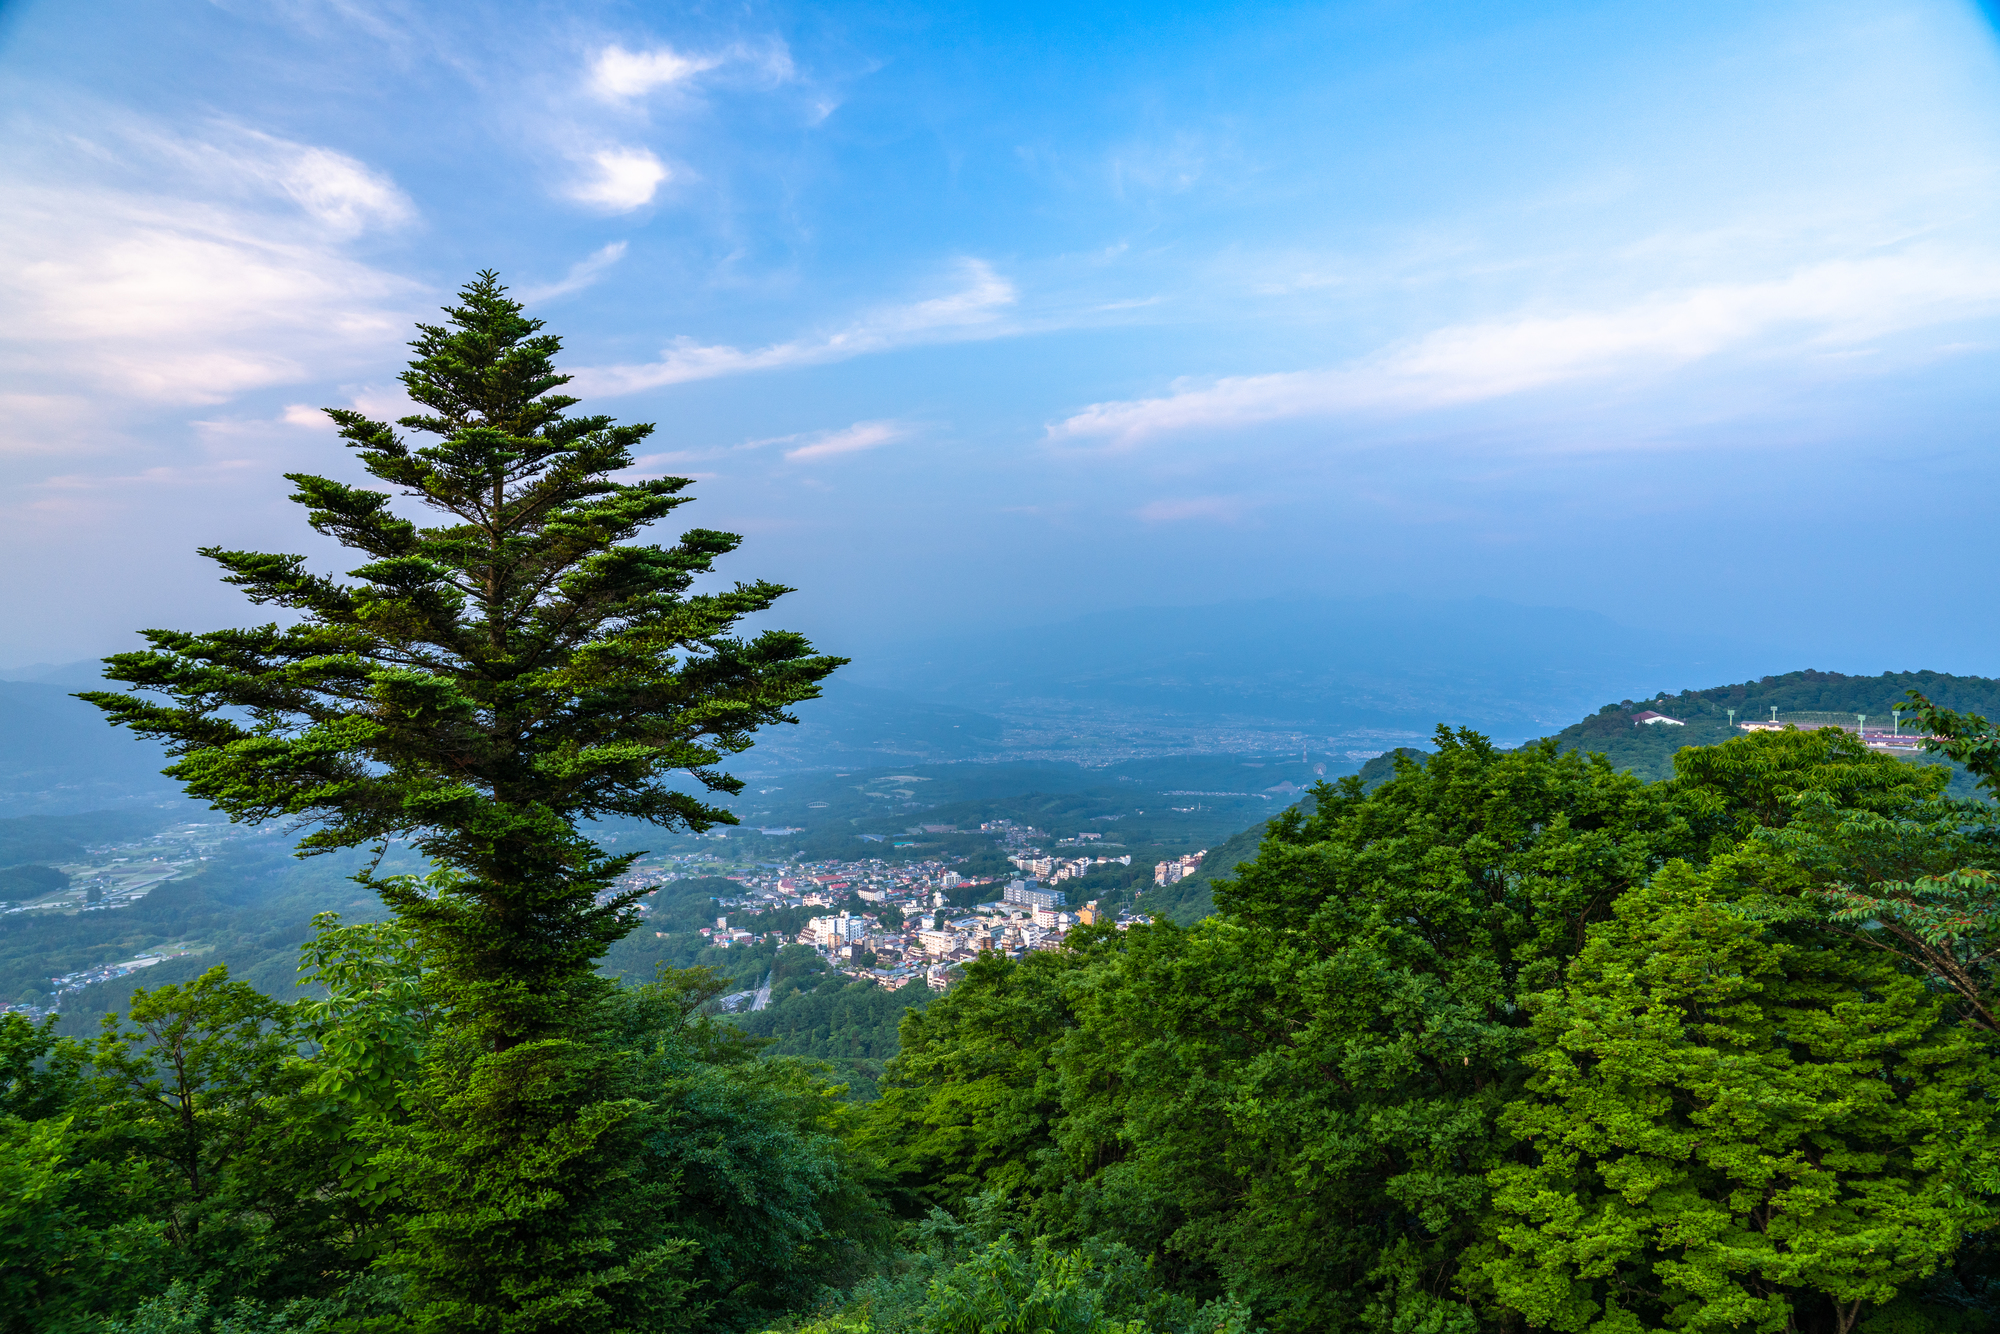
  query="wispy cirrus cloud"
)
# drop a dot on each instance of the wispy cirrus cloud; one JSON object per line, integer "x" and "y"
{"x": 617, "y": 74}
{"x": 581, "y": 274}
{"x": 973, "y": 310}
{"x": 851, "y": 440}
{"x": 1811, "y": 311}
{"x": 799, "y": 447}
{"x": 346, "y": 195}
{"x": 189, "y": 269}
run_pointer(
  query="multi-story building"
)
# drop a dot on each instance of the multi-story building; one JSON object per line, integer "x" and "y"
{"x": 937, "y": 944}
{"x": 1029, "y": 894}
{"x": 1167, "y": 873}
{"x": 832, "y": 932}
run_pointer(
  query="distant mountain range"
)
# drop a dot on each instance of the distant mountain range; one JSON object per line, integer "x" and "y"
{"x": 1333, "y": 662}
{"x": 1345, "y": 676}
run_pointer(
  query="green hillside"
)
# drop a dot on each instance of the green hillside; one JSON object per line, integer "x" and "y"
{"x": 1192, "y": 898}
{"x": 1648, "y": 750}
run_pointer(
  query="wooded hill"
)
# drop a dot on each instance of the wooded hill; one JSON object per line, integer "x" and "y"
{"x": 1647, "y": 751}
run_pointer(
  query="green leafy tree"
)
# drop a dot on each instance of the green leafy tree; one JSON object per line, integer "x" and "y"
{"x": 1757, "y": 781}
{"x": 1298, "y": 1100}
{"x": 39, "y": 1072}
{"x": 1736, "y": 1127}
{"x": 765, "y": 1188}
{"x": 479, "y": 687}
{"x": 1864, "y": 843}
{"x": 1301, "y": 1093}
{"x": 1948, "y": 925}
{"x": 1003, "y": 1291}
{"x": 1965, "y": 737}
{"x": 970, "y": 1101}
{"x": 75, "y": 1238}
{"x": 199, "y": 1083}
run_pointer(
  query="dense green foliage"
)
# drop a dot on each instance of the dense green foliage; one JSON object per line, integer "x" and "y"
{"x": 814, "y": 1011}
{"x": 1388, "y": 1084}
{"x": 271, "y": 1156}
{"x": 1737, "y": 1126}
{"x": 1508, "y": 1040}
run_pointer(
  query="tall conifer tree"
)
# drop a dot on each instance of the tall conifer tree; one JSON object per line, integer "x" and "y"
{"x": 479, "y": 687}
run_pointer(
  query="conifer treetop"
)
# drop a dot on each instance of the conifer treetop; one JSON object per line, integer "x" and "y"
{"x": 514, "y": 661}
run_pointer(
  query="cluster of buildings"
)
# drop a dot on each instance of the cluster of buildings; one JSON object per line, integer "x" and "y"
{"x": 907, "y": 931}
{"x": 1167, "y": 873}
{"x": 722, "y": 935}
{"x": 1064, "y": 868}
{"x": 769, "y": 885}
{"x": 928, "y": 945}
{"x": 71, "y": 983}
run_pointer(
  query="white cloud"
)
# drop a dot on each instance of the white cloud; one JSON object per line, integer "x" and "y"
{"x": 190, "y": 270}
{"x": 618, "y": 73}
{"x": 1812, "y": 311}
{"x": 183, "y": 303}
{"x": 342, "y": 194}
{"x": 860, "y": 436}
{"x": 624, "y": 179}
{"x": 581, "y": 274}
{"x": 304, "y": 414}
{"x": 972, "y": 311}
{"x": 339, "y": 191}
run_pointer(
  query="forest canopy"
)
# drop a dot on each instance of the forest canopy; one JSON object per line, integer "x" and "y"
{"x": 1510, "y": 1040}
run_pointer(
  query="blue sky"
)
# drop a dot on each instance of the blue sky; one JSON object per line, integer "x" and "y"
{"x": 971, "y": 314}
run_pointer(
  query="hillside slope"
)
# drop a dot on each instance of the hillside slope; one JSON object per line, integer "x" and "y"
{"x": 1648, "y": 750}
{"x": 1192, "y": 898}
